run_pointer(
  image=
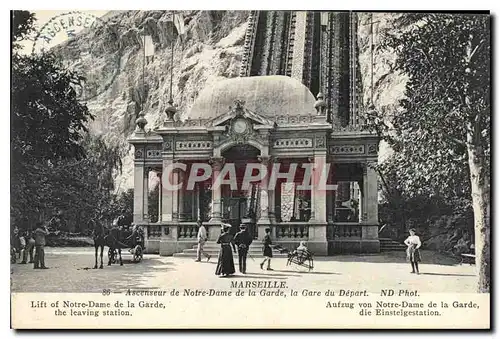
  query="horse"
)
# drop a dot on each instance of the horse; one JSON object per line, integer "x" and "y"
{"x": 112, "y": 240}
{"x": 98, "y": 235}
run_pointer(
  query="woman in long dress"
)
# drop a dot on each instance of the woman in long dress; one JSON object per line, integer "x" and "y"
{"x": 225, "y": 264}
{"x": 413, "y": 252}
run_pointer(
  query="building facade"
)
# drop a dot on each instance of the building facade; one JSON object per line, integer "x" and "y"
{"x": 269, "y": 116}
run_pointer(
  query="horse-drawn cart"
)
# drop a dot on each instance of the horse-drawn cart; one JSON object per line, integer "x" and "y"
{"x": 131, "y": 239}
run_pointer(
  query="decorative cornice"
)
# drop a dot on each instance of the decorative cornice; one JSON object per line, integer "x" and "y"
{"x": 246, "y": 62}
{"x": 347, "y": 149}
{"x": 288, "y": 143}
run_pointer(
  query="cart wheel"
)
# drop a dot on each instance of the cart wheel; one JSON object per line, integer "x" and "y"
{"x": 112, "y": 255}
{"x": 138, "y": 253}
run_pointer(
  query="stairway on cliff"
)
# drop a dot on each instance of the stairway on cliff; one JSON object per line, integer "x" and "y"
{"x": 387, "y": 244}
{"x": 212, "y": 248}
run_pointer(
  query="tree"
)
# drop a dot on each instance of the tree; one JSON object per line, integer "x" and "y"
{"x": 56, "y": 165}
{"x": 22, "y": 26}
{"x": 441, "y": 137}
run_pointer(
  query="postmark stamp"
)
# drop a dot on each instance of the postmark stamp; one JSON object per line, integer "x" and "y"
{"x": 86, "y": 44}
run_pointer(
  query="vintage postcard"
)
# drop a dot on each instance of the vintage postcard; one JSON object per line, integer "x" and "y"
{"x": 250, "y": 170}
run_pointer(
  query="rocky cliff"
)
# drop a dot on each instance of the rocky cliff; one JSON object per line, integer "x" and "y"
{"x": 210, "y": 50}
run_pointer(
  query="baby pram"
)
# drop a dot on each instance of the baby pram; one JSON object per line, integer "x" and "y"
{"x": 302, "y": 258}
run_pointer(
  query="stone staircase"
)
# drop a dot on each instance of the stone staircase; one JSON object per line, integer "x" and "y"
{"x": 387, "y": 244}
{"x": 212, "y": 248}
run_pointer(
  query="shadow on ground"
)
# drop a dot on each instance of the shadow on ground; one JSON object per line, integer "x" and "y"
{"x": 397, "y": 257}
{"x": 80, "y": 278}
{"x": 448, "y": 274}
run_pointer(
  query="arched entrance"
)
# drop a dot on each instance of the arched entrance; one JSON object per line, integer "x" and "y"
{"x": 240, "y": 204}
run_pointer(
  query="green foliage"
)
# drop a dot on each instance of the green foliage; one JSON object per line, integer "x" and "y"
{"x": 48, "y": 122}
{"x": 123, "y": 204}
{"x": 445, "y": 114}
{"x": 446, "y": 57}
{"x": 22, "y": 25}
{"x": 432, "y": 216}
{"x": 56, "y": 167}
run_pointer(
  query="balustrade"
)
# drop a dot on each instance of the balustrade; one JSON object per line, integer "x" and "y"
{"x": 292, "y": 231}
{"x": 188, "y": 231}
{"x": 347, "y": 231}
{"x": 154, "y": 231}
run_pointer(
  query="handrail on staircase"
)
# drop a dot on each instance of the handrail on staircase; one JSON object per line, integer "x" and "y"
{"x": 382, "y": 228}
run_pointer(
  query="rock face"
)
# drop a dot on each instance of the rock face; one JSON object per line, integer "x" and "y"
{"x": 381, "y": 82}
{"x": 210, "y": 50}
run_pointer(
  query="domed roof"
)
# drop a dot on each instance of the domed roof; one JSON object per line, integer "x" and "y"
{"x": 269, "y": 96}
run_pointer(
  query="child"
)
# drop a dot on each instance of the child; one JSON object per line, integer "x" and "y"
{"x": 268, "y": 252}
{"x": 412, "y": 252}
{"x": 301, "y": 252}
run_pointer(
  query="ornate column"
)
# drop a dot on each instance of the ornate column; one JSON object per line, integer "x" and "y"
{"x": 199, "y": 196}
{"x": 371, "y": 193}
{"x": 181, "y": 197}
{"x": 361, "y": 199}
{"x": 160, "y": 194}
{"x": 369, "y": 234}
{"x": 145, "y": 193}
{"x": 330, "y": 200}
{"x": 214, "y": 225}
{"x": 168, "y": 241}
{"x": 313, "y": 191}
{"x": 195, "y": 207}
{"x": 271, "y": 194}
{"x": 217, "y": 163}
{"x": 175, "y": 195}
{"x": 167, "y": 199}
{"x": 318, "y": 192}
{"x": 139, "y": 193}
{"x": 318, "y": 223}
{"x": 264, "y": 195}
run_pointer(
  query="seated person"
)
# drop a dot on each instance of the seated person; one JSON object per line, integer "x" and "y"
{"x": 301, "y": 252}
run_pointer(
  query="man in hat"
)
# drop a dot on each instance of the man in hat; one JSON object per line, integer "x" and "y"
{"x": 202, "y": 239}
{"x": 40, "y": 232}
{"x": 243, "y": 239}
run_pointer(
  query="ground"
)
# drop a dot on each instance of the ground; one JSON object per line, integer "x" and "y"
{"x": 71, "y": 271}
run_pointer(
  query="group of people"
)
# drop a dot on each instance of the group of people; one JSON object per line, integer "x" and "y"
{"x": 240, "y": 244}
{"x": 241, "y": 241}
{"x": 25, "y": 242}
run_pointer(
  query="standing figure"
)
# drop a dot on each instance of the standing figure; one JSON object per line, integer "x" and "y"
{"x": 268, "y": 252}
{"x": 14, "y": 244}
{"x": 202, "y": 239}
{"x": 412, "y": 252}
{"x": 40, "y": 233}
{"x": 30, "y": 247}
{"x": 22, "y": 247}
{"x": 243, "y": 240}
{"x": 225, "y": 265}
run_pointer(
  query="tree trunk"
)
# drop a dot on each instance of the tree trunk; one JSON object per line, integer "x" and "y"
{"x": 480, "y": 189}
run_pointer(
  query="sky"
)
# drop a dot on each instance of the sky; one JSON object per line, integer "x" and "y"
{"x": 43, "y": 18}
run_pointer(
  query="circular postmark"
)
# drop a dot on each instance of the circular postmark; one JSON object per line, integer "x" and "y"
{"x": 85, "y": 44}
